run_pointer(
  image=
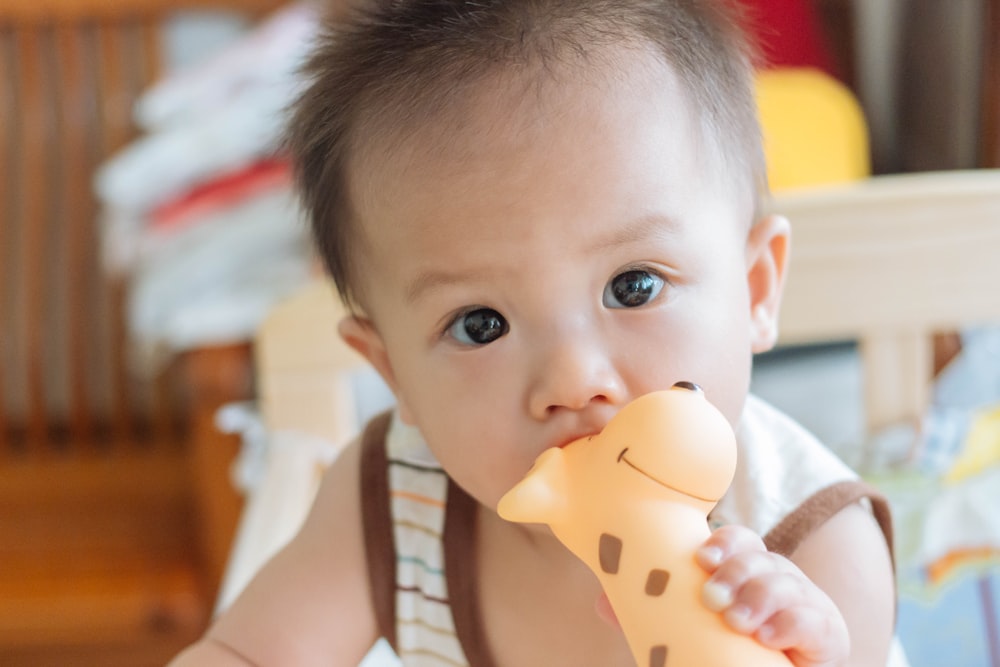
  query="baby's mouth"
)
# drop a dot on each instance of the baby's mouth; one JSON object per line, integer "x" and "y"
{"x": 569, "y": 441}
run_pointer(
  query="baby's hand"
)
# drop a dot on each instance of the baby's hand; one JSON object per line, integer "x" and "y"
{"x": 763, "y": 594}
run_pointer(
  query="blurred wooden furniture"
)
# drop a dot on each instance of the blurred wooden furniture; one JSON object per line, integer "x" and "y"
{"x": 888, "y": 262}
{"x": 100, "y": 556}
{"x": 303, "y": 371}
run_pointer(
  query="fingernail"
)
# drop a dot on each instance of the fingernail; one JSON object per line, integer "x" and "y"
{"x": 765, "y": 633}
{"x": 710, "y": 556}
{"x": 738, "y": 617}
{"x": 716, "y": 596}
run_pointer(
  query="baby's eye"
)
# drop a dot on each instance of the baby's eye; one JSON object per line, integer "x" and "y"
{"x": 478, "y": 327}
{"x": 632, "y": 289}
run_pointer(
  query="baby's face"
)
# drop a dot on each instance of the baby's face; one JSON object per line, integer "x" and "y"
{"x": 547, "y": 265}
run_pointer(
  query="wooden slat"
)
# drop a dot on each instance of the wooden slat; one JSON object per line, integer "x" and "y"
{"x": 78, "y": 211}
{"x": 163, "y": 401}
{"x": 94, "y": 306}
{"x": 6, "y": 230}
{"x": 51, "y": 328}
{"x": 115, "y": 98}
{"x": 914, "y": 252}
{"x": 26, "y": 11}
{"x": 30, "y": 219}
{"x": 898, "y": 371}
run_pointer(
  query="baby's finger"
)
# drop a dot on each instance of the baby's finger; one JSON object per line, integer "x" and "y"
{"x": 763, "y": 596}
{"x": 807, "y": 631}
{"x": 725, "y": 542}
{"x": 745, "y": 577}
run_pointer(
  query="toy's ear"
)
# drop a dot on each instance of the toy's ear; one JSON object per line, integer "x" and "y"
{"x": 541, "y": 496}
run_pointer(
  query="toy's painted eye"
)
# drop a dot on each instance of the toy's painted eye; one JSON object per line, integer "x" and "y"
{"x": 690, "y": 386}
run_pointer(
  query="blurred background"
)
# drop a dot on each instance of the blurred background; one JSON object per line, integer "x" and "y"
{"x": 147, "y": 227}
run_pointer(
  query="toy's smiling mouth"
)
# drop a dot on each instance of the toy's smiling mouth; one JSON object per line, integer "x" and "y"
{"x": 622, "y": 459}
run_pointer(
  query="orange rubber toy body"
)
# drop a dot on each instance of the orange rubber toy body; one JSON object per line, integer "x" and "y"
{"x": 632, "y": 503}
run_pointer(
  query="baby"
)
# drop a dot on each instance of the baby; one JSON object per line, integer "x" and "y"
{"x": 539, "y": 210}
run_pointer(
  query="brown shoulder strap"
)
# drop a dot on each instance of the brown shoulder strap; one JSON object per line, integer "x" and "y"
{"x": 380, "y": 547}
{"x": 460, "y": 537}
{"x": 817, "y": 509}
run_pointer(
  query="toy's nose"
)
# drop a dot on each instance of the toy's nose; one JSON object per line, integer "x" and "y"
{"x": 690, "y": 386}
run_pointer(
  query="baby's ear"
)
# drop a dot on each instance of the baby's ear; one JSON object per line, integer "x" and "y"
{"x": 767, "y": 261}
{"x": 360, "y": 333}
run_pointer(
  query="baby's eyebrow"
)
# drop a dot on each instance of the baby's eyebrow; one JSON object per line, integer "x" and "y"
{"x": 640, "y": 229}
{"x": 432, "y": 279}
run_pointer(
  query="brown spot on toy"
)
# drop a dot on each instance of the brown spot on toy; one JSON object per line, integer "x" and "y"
{"x": 658, "y": 656}
{"x": 656, "y": 582}
{"x": 610, "y": 553}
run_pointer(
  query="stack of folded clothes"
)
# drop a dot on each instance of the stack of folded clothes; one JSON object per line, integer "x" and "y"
{"x": 198, "y": 212}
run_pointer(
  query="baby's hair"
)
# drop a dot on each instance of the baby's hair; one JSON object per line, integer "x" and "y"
{"x": 393, "y": 66}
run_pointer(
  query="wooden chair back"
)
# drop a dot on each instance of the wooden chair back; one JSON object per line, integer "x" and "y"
{"x": 70, "y": 71}
{"x": 97, "y": 533}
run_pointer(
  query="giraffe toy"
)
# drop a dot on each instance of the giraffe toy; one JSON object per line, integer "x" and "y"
{"x": 632, "y": 503}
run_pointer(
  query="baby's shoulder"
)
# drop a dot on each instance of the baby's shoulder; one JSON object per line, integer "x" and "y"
{"x": 780, "y": 466}
{"x": 767, "y": 436}
{"x": 314, "y": 583}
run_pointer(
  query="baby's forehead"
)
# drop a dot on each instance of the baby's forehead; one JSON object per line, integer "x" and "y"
{"x": 477, "y": 120}
{"x": 488, "y": 149}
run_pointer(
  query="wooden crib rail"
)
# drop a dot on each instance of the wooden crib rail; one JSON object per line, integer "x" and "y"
{"x": 889, "y": 262}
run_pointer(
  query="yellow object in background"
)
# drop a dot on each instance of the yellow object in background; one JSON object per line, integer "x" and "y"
{"x": 814, "y": 129}
{"x": 981, "y": 448}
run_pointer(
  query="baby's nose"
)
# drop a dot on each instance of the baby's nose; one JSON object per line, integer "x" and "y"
{"x": 573, "y": 375}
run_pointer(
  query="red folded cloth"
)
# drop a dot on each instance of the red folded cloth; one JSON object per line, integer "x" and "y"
{"x": 221, "y": 192}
